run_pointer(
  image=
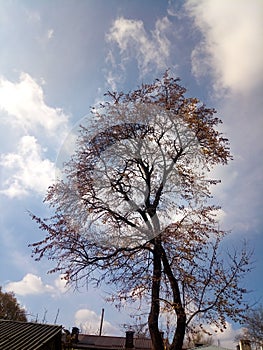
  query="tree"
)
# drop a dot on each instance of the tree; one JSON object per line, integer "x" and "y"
{"x": 198, "y": 338}
{"x": 253, "y": 330}
{"x": 134, "y": 210}
{"x": 10, "y": 308}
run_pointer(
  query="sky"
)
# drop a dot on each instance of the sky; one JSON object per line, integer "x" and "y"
{"x": 58, "y": 58}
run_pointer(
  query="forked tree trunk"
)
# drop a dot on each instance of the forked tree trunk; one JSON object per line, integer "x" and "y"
{"x": 153, "y": 318}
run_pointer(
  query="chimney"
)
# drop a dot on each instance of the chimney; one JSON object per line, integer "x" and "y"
{"x": 129, "y": 340}
{"x": 244, "y": 344}
{"x": 75, "y": 335}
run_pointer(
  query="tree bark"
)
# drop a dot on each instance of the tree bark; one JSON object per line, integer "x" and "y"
{"x": 179, "y": 334}
{"x": 178, "y": 339}
{"x": 153, "y": 318}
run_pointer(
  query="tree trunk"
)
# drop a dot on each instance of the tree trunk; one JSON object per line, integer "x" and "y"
{"x": 179, "y": 334}
{"x": 178, "y": 339}
{"x": 153, "y": 318}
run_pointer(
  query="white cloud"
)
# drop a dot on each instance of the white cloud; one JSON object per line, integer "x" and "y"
{"x": 29, "y": 285}
{"x": 151, "y": 51}
{"x": 32, "y": 284}
{"x": 28, "y": 126}
{"x": 232, "y": 46}
{"x": 26, "y": 170}
{"x": 26, "y": 108}
{"x": 60, "y": 284}
{"x": 89, "y": 322}
{"x": 226, "y": 339}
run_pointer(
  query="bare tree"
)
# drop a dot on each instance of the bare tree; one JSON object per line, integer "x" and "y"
{"x": 134, "y": 210}
{"x": 198, "y": 338}
{"x": 253, "y": 330}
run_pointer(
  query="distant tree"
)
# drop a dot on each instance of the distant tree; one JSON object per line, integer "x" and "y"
{"x": 10, "y": 308}
{"x": 198, "y": 338}
{"x": 140, "y": 329}
{"x": 134, "y": 210}
{"x": 253, "y": 330}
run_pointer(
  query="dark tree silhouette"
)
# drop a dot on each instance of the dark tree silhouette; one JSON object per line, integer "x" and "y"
{"x": 10, "y": 308}
{"x": 134, "y": 210}
{"x": 253, "y": 330}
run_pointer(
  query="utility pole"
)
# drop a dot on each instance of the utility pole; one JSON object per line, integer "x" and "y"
{"x": 101, "y": 321}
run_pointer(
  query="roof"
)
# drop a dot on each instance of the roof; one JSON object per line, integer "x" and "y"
{"x": 209, "y": 347}
{"x": 16, "y": 335}
{"x": 110, "y": 342}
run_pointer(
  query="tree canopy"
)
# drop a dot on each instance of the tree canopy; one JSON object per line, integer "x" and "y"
{"x": 134, "y": 210}
{"x": 10, "y": 308}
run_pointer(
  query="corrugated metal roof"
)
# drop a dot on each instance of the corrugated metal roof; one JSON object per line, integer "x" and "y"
{"x": 109, "y": 342}
{"x": 15, "y": 335}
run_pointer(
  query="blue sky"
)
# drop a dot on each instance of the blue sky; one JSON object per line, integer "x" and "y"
{"x": 57, "y": 60}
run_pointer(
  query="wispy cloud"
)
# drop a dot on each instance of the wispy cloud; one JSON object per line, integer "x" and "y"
{"x": 175, "y": 8}
{"x": 50, "y": 34}
{"x": 32, "y": 16}
{"x": 150, "y": 50}
{"x": 232, "y": 47}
